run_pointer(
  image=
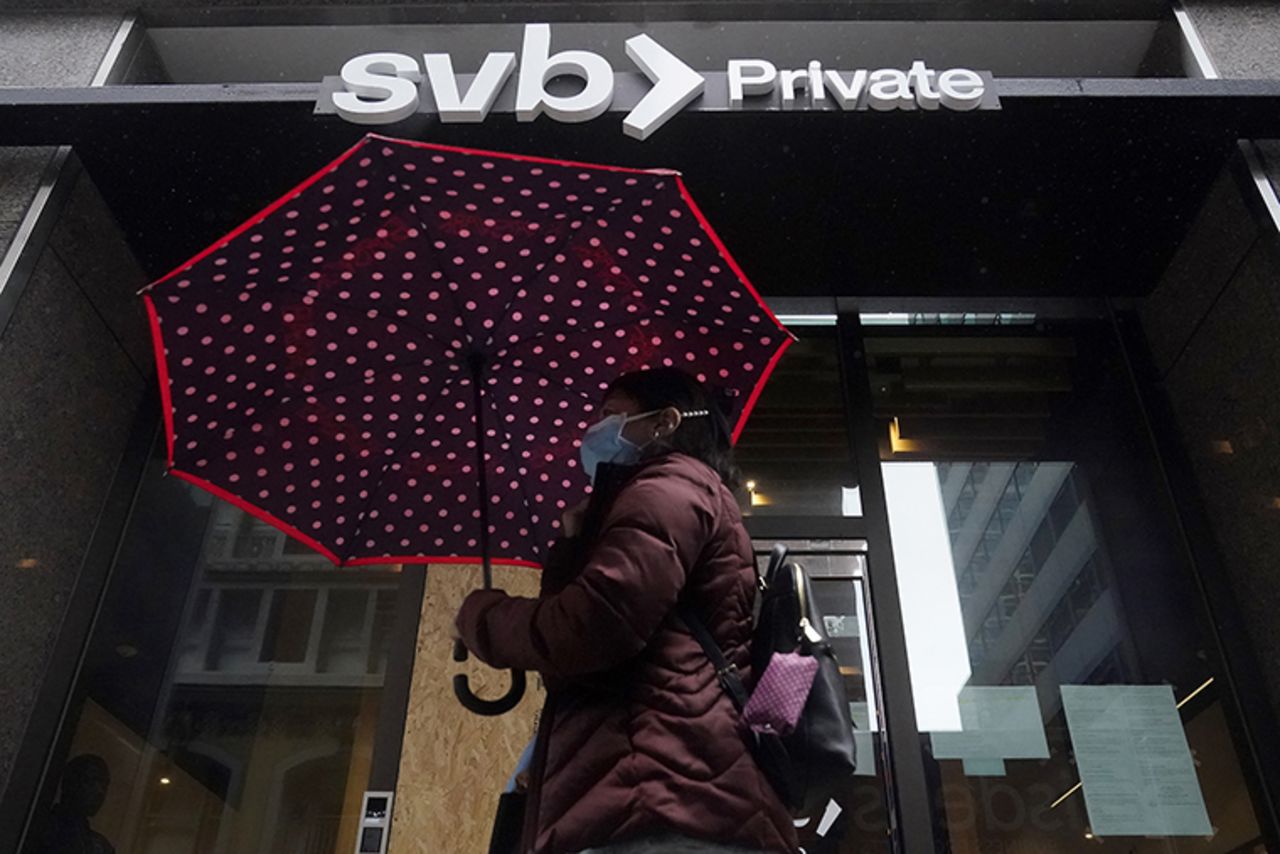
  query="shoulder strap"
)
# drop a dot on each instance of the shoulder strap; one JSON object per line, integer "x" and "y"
{"x": 777, "y": 558}
{"x": 726, "y": 673}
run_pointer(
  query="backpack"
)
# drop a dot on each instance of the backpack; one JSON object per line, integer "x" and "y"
{"x": 816, "y": 759}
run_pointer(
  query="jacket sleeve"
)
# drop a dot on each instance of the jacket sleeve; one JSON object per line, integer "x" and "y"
{"x": 562, "y": 564}
{"x": 637, "y": 569}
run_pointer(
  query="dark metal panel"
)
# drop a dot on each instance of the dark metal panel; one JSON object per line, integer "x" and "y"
{"x": 214, "y": 13}
{"x": 1060, "y": 193}
{"x": 1043, "y": 307}
{"x": 806, "y": 527}
{"x": 18, "y": 265}
{"x": 31, "y": 765}
{"x": 1254, "y": 725}
{"x": 384, "y": 768}
{"x": 911, "y": 813}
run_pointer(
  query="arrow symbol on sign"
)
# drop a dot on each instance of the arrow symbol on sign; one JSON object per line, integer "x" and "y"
{"x": 674, "y": 86}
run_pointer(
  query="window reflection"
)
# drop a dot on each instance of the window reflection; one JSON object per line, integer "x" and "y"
{"x": 232, "y": 687}
{"x": 1027, "y": 528}
{"x": 794, "y": 453}
{"x": 1026, "y": 460}
{"x": 855, "y": 820}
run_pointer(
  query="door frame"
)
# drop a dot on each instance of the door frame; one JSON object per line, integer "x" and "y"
{"x": 910, "y": 808}
{"x": 916, "y": 816}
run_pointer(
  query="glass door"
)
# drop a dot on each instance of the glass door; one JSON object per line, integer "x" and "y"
{"x": 1067, "y": 691}
{"x": 855, "y": 821}
{"x": 1035, "y": 669}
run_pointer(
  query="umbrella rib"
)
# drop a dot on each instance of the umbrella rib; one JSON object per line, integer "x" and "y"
{"x": 541, "y": 334}
{"x": 594, "y": 330}
{"x": 453, "y": 294}
{"x": 284, "y": 399}
{"x": 540, "y": 271}
{"x": 612, "y": 209}
{"x": 523, "y": 489}
{"x": 587, "y": 397}
{"x": 373, "y": 493}
{"x": 330, "y": 302}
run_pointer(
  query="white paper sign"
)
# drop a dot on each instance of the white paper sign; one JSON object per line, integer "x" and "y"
{"x": 861, "y": 714}
{"x": 840, "y": 625}
{"x": 984, "y": 767}
{"x": 999, "y": 723}
{"x": 1132, "y": 755}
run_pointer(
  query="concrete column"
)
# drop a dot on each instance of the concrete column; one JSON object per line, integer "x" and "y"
{"x": 1242, "y": 38}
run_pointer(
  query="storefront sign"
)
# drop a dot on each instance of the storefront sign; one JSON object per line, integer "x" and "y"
{"x": 382, "y": 88}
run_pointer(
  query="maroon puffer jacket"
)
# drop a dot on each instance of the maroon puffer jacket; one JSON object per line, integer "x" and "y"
{"x": 638, "y": 737}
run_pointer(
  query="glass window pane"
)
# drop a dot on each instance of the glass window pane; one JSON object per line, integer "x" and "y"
{"x": 288, "y": 632}
{"x": 235, "y": 636}
{"x": 230, "y": 689}
{"x": 855, "y": 820}
{"x": 342, "y": 642}
{"x": 1052, "y": 624}
{"x": 794, "y": 453}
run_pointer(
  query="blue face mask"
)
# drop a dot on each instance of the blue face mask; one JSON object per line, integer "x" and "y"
{"x": 604, "y": 443}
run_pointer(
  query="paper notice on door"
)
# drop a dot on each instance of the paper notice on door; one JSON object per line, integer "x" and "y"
{"x": 861, "y": 714}
{"x": 983, "y": 767}
{"x": 1132, "y": 755}
{"x": 999, "y": 723}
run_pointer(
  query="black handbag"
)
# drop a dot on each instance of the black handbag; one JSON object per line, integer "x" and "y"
{"x": 817, "y": 760}
{"x": 508, "y": 823}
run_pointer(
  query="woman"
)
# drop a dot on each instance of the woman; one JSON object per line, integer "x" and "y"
{"x": 639, "y": 749}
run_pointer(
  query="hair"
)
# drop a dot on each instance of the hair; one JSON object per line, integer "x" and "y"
{"x": 87, "y": 763}
{"x": 80, "y": 769}
{"x": 706, "y": 438}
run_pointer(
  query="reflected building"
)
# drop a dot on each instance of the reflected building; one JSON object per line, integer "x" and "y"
{"x": 1033, "y": 582}
{"x": 263, "y": 731}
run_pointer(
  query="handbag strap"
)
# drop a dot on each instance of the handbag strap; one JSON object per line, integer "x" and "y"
{"x": 726, "y": 673}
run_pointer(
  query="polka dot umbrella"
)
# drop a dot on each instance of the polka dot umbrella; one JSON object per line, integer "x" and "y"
{"x": 393, "y": 362}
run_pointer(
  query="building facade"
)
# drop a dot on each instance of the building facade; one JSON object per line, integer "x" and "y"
{"x": 1025, "y": 440}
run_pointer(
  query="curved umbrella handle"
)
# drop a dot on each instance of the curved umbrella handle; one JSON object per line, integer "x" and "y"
{"x": 488, "y": 708}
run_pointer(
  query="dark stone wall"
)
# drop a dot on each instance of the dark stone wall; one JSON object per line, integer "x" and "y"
{"x": 1240, "y": 35}
{"x": 1213, "y": 325}
{"x": 74, "y": 364}
{"x": 1243, "y": 40}
{"x": 49, "y": 49}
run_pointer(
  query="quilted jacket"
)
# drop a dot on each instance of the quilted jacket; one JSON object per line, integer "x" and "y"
{"x": 637, "y": 737}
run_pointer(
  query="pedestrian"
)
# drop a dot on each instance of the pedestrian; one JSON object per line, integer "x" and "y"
{"x": 85, "y": 782}
{"x": 639, "y": 748}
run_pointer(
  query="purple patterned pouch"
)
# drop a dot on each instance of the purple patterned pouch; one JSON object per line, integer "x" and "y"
{"x": 780, "y": 693}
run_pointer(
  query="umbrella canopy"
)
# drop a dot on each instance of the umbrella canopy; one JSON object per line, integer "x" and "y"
{"x": 340, "y": 364}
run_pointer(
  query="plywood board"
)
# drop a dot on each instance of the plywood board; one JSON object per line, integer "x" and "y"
{"x": 454, "y": 764}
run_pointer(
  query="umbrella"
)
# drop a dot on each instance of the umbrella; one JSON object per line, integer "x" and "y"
{"x": 392, "y": 362}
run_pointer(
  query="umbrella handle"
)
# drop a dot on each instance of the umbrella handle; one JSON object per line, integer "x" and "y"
{"x": 488, "y": 708}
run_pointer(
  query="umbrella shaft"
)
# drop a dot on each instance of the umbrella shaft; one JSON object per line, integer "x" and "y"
{"x": 477, "y": 375}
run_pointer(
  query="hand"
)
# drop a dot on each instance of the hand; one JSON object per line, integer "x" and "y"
{"x": 571, "y": 520}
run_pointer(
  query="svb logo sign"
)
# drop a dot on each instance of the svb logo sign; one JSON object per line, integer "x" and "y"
{"x": 381, "y": 88}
